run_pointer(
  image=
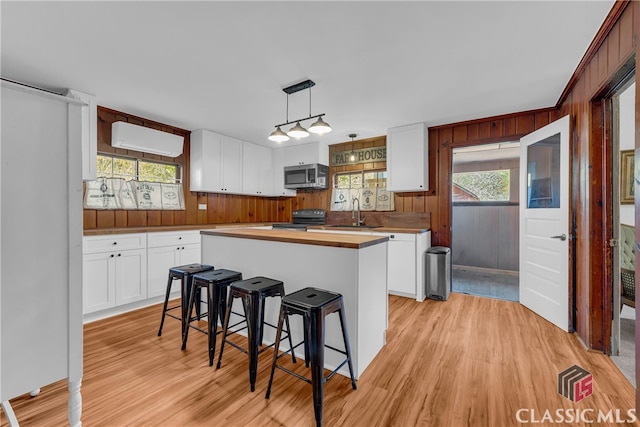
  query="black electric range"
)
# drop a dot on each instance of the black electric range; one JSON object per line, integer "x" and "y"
{"x": 303, "y": 218}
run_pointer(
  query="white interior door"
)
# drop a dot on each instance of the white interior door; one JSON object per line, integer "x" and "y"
{"x": 544, "y": 222}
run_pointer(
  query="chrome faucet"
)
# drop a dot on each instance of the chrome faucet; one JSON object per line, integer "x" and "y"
{"x": 353, "y": 212}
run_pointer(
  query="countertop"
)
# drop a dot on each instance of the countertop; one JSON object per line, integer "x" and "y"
{"x": 352, "y": 241}
{"x": 151, "y": 229}
{"x": 383, "y": 229}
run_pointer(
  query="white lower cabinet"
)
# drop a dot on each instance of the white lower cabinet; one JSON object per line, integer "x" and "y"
{"x": 401, "y": 265}
{"x": 131, "y": 268}
{"x": 405, "y": 261}
{"x": 114, "y": 271}
{"x": 161, "y": 258}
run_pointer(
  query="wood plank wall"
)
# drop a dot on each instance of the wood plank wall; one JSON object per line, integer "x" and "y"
{"x": 442, "y": 139}
{"x": 608, "y": 60}
{"x": 221, "y": 208}
{"x": 411, "y": 208}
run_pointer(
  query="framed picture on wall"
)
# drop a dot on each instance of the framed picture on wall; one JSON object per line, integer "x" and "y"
{"x": 626, "y": 177}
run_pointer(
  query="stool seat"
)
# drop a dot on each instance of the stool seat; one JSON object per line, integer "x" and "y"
{"x": 213, "y": 276}
{"x": 253, "y": 293}
{"x": 215, "y": 282}
{"x": 184, "y": 273}
{"x": 262, "y": 285}
{"x": 190, "y": 269}
{"x": 313, "y": 305}
{"x": 311, "y": 298}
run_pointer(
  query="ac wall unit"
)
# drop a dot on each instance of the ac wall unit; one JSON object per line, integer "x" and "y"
{"x": 133, "y": 137}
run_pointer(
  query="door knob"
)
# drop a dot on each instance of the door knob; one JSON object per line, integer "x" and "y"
{"x": 562, "y": 237}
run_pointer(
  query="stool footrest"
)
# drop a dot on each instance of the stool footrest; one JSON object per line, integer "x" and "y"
{"x": 295, "y": 374}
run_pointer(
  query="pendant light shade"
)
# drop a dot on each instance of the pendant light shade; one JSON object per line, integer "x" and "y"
{"x": 298, "y": 131}
{"x": 278, "y": 135}
{"x": 320, "y": 127}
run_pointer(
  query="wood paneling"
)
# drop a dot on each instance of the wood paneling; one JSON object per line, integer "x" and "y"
{"x": 442, "y": 139}
{"x": 221, "y": 208}
{"x": 607, "y": 62}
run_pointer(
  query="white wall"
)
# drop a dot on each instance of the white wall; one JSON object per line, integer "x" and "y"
{"x": 627, "y": 117}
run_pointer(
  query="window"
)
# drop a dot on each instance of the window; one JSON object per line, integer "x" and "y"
{"x": 482, "y": 186}
{"x": 361, "y": 179}
{"x": 130, "y": 183}
{"x": 369, "y": 187}
{"x": 136, "y": 169}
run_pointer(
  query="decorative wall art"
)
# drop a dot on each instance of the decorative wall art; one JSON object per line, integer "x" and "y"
{"x": 116, "y": 193}
{"x": 627, "y": 186}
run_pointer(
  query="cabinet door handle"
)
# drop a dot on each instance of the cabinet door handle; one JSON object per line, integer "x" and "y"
{"x": 392, "y": 236}
{"x": 111, "y": 256}
{"x": 119, "y": 254}
{"x": 182, "y": 248}
{"x": 115, "y": 243}
{"x": 180, "y": 238}
{"x": 178, "y": 248}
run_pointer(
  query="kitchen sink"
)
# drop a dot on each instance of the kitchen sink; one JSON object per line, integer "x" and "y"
{"x": 353, "y": 226}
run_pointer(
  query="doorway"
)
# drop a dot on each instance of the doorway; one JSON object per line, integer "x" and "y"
{"x": 484, "y": 227}
{"x": 623, "y": 224}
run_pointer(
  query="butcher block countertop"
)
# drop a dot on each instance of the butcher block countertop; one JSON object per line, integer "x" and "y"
{"x": 383, "y": 229}
{"x": 151, "y": 229}
{"x": 352, "y": 241}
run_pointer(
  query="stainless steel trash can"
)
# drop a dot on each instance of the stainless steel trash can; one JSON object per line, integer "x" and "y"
{"x": 437, "y": 272}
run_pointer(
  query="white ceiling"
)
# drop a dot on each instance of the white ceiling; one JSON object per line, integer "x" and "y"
{"x": 222, "y": 65}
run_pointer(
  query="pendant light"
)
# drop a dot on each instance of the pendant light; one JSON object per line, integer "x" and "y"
{"x": 352, "y": 157}
{"x": 298, "y": 131}
{"x": 278, "y": 135}
{"x": 319, "y": 127}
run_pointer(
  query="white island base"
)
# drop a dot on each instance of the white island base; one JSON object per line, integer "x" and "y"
{"x": 358, "y": 273}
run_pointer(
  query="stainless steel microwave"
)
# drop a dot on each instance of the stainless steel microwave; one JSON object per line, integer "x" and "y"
{"x": 311, "y": 176}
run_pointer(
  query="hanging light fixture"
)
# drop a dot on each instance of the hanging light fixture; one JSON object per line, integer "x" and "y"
{"x": 278, "y": 136}
{"x": 352, "y": 157}
{"x": 298, "y": 131}
{"x": 319, "y": 127}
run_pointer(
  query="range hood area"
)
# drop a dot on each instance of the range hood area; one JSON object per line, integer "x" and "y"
{"x": 139, "y": 138}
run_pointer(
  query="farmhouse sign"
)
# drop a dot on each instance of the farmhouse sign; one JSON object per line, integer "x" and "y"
{"x": 364, "y": 155}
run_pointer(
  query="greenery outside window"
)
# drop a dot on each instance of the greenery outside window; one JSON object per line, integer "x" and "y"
{"x": 136, "y": 169}
{"x": 360, "y": 179}
{"x": 482, "y": 186}
{"x": 131, "y": 183}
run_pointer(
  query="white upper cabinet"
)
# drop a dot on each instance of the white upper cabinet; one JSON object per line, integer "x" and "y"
{"x": 304, "y": 154}
{"x": 216, "y": 163}
{"x": 257, "y": 171}
{"x": 89, "y": 132}
{"x": 407, "y": 158}
{"x": 279, "y": 161}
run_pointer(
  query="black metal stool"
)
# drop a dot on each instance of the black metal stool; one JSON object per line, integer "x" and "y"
{"x": 184, "y": 273}
{"x": 253, "y": 293}
{"x": 216, "y": 283}
{"x": 313, "y": 305}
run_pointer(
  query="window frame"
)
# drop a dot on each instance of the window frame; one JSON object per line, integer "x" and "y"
{"x": 137, "y": 160}
{"x": 507, "y": 202}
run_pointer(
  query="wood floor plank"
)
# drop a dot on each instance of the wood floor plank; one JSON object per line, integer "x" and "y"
{"x": 468, "y": 361}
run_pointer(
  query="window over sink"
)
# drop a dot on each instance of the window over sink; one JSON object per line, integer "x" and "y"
{"x": 369, "y": 187}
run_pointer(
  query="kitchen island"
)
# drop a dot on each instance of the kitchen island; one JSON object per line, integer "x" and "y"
{"x": 353, "y": 265}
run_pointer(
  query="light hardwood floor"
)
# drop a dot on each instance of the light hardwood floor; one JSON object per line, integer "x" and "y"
{"x": 468, "y": 361}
